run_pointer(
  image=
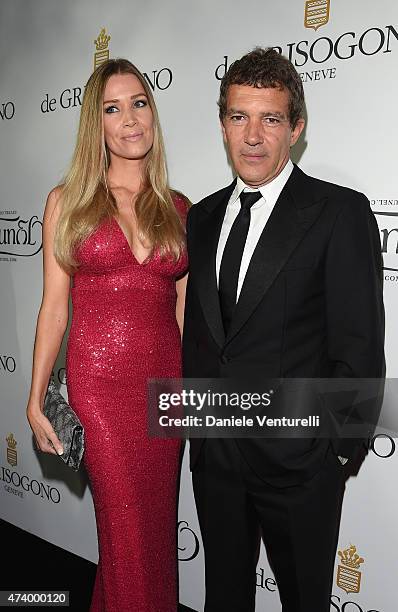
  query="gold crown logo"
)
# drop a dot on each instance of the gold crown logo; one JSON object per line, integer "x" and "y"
{"x": 101, "y": 44}
{"x": 348, "y": 576}
{"x": 350, "y": 557}
{"x": 11, "y": 452}
{"x": 316, "y": 13}
{"x": 102, "y": 41}
{"x": 11, "y": 441}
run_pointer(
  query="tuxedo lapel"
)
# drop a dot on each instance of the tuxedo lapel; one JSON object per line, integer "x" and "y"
{"x": 292, "y": 216}
{"x": 209, "y": 231}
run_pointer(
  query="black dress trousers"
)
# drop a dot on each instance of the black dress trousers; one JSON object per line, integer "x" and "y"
{"x": 298, "y": 524}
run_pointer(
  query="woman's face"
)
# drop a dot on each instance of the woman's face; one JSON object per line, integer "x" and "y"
{"x": 128, "y": 119}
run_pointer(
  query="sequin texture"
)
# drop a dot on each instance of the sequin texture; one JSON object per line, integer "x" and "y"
{"x": 123, "y": 332}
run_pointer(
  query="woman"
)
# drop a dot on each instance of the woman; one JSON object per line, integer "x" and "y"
{"x": 117, "y": 230}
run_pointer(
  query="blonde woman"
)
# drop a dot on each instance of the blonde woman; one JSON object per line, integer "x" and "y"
{"x": 115, "y": 230}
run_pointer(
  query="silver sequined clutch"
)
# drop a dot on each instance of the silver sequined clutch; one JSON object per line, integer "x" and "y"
{"x": 66, "y": 425}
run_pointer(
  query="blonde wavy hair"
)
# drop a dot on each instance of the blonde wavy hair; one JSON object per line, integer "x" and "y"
{"x": 85, "y": 197}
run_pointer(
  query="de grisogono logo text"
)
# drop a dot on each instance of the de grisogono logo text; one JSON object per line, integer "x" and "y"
{"x": 344, "y": 47}
{"x": 71, "y": 97}
{"x": 17, "y": 484}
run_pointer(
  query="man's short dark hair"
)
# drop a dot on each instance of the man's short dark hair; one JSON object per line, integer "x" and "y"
{"x": 265, "y": 68}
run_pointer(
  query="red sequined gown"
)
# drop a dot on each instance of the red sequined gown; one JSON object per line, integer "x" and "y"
{"x": 124, "y": 331}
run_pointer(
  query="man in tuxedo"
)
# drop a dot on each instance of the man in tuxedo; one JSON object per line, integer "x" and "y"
{"x": 285, "y": 282}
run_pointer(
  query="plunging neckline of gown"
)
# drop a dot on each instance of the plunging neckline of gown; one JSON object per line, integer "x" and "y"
{"x": 140, "y": 263}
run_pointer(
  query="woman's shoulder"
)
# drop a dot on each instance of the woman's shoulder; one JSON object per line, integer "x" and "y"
{"x": 181, "y": 202}
{"x": 52, "y": 208}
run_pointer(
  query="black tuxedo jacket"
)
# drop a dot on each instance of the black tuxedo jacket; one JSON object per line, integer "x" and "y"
{"x": 310, "y": 306}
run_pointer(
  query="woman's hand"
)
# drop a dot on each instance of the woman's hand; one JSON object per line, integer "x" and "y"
{"x": 46, "y": 438}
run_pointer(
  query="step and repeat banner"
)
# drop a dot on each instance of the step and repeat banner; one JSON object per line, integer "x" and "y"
{"x": 347, "y": 56}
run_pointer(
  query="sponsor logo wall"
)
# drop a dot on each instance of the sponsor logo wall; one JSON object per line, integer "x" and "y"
{"x": 346, "y": 54}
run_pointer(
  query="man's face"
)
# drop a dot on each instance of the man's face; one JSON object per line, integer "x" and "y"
{"x": 258, "y": 133}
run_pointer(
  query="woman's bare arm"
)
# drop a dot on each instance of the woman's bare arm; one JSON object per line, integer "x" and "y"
{"x": 52, "y": 322}
{"x": 181, "y": 286}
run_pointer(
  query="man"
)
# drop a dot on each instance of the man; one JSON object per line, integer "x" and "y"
{"x": 284, "y": 282}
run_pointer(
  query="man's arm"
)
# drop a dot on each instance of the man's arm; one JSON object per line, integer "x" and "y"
{"x": 354, "y": 299}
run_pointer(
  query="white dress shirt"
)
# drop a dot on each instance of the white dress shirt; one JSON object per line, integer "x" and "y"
{"x": 260, "y": 213}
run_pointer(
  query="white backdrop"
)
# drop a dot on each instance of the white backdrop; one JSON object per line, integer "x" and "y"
{"x": 348, "y": 66}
